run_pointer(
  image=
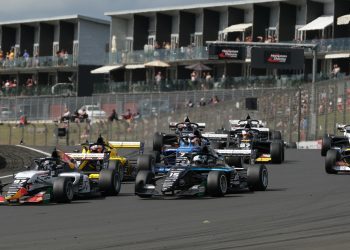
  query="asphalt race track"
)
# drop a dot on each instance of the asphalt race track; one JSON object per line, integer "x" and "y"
{"x": 304, "y": 208}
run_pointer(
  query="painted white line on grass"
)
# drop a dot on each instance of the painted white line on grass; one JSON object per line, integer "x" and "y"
{"x": 6, "y": 176}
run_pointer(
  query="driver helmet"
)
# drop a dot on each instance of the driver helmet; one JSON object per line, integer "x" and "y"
{"x": 199, "y": 159}
{"x": 96, "y": 148}
{"x": 245, "y": 135}
{"x": 47, "y": 165}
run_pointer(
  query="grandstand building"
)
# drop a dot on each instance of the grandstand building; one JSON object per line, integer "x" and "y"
{"x": 51, "y": 56}
{"x": 179, "y": 36}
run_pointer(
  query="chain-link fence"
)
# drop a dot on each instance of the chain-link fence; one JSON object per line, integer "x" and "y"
{"x": 304, "y": 112}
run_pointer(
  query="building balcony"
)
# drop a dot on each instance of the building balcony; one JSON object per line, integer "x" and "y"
{"x": 36, "y": 62}
{"x": 167, "y": 55}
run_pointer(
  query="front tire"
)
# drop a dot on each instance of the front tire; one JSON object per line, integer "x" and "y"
{"x": 145, "y": 162}
{"x": 143, "y": 178}
{"x": 158, "y": 142}
{"x": 257, "y": 178}
{"x": 63, "y": 190}
{"x": 326, "y": 145}
{"x": 109, "y": 182}
{"x": 217, "y": 183}
{"x": 332, "y": 157}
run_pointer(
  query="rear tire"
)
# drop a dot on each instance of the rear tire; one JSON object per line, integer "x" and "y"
{"x": 145, "y": 162}
{"x": 143, "y": 178}
{"x": 217, "y": 183}
{"x": 158, "y": 142}
{"x": 332, "y": 157}
{"x": 117, "y": 165}
{"x": 326, "y": 145}
{"x": 276, "y": 152}
{"x": 257, "y": 178}
{"x": 109, "y": 182}
{"x": 276, "y": 135}
{"x": 63, "y": 190}
{"x": 156, "y": 156}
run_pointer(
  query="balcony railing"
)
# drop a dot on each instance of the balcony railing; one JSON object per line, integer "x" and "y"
{"x": 201, "y": 53}
{"x": 168, "y": 55}
{"x": 41, "y": 61}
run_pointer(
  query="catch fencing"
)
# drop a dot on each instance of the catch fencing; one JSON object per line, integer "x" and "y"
{"x": 303, "y": 112}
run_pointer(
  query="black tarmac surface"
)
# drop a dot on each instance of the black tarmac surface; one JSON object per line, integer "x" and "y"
{"x": 303, "y": 208}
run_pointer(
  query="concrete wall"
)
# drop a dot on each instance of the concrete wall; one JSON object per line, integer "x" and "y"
{"x": 274, "y": 16}
{"x": 175, "y": 24}
{"x": 223, "y": 20}
{"x": 313, "y": 10}
{"x": 119, "y": 28}
{"x": 301, "y": 15}
{"x": 199, "y": 22}
{"x": 287, "y": 22}
{"x": 186, "y": 27}
{"x": 93, "y": 38}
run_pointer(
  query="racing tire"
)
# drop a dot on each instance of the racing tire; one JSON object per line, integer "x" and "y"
{"x": 234, "y": 161}
{"x": 257, "y": 178}
{"x": 332, "y": 157}
{"x": 109, "y": 182}
{"x": 217, "y": 184}
{"x": 145, "y": 162}
{"x": 276, "y": 152}
{"x": 62, "y": 190}
{"x": 143, "y": 178}
{"x": 117, "y": 165}
{"x": 156, "y": 156}
{"x": 326, "y": 145}
{"x": 158, "y": 142}
{"x": 276, "y": 135}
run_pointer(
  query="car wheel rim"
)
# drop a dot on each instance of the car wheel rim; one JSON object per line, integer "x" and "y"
{"x": 116, "y": 183}
{"x": 69, "y": 191}
{"x": 223, "y": 183}
{"x": 264, "y": 178}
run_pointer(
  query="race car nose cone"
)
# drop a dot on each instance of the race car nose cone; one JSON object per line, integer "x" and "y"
{"x": 21, "y": 192}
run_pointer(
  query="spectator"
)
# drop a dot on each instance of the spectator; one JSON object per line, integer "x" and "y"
{"x": 23, "y": 120}
{"x": 26, "y": 58}
{"x": 128, "y": 115}
{"x": 158, "y": 79}
{"x": 66, "y": 115}
{"x": 335, "y": 71}
{"x": 202, "y": 102}
{"x": 83, "y": 116}
{"x": 113, "y": 116}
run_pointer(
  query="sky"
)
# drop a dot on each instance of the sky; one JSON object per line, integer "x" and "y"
{"x": 32, "y": 9}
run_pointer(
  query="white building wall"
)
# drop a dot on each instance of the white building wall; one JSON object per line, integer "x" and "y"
{"x": 223, "y": 20}
{"x": 120, "y": 28}
{"x": 93, "y": 38}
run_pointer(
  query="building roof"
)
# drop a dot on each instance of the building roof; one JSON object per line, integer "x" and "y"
{"x": 57, "y": 18}
{"x": 191, "y": 6}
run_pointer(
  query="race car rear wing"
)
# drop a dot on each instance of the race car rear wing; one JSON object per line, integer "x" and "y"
{"x": 234, "y": 152}
{"x": 126, "y": 144}
{"x": 86, "y": 156}
{"x": 201, "y": 125}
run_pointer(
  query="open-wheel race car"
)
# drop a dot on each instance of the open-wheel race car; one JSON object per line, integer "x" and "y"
{"x": 250, "y": 141}
{"x": 165, "y": 145}
{"x": 198, "y": 174}
{"x": 52, "y": 179}
{"x": 106, "y": 155}
{"x": 337, "y": 142}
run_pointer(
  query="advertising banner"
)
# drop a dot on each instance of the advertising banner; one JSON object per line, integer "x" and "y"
{"x": 226, "y": 52}
{"x": 277, "y": 58}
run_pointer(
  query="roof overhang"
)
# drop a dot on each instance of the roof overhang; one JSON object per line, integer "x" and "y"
{"x": 238, "y": 27}
{"x": 319, "y": 23}
{"x": 343, "y": 20}
{"x": 105, "y": 69}
{"x": 135, "y": 66}
{"x": 335, "y": 56}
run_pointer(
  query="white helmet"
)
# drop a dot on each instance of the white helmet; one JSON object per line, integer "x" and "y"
{"x": 199, "y": 159}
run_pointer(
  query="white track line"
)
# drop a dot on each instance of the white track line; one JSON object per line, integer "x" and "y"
{"x": 33, "y": 149}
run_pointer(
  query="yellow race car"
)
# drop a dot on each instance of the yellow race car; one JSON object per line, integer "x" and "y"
{"x": 105, "y": 155}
